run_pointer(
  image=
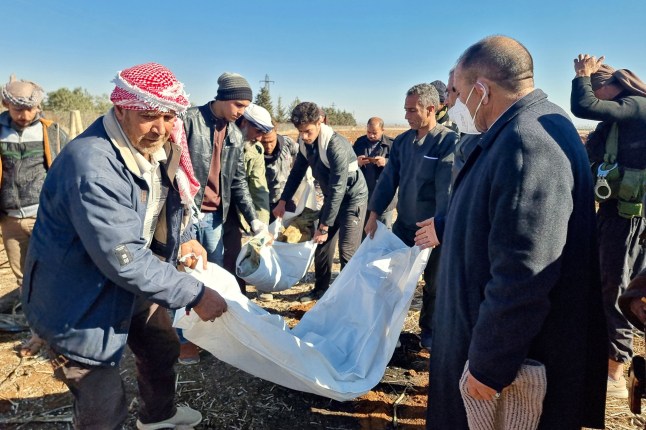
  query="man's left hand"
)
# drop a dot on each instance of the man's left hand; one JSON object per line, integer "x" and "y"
{"x": 193, "y": 249}
{"x": 426, "y": 237}
{"x": 585, "y": 65}
{"x": 478, "y": 390}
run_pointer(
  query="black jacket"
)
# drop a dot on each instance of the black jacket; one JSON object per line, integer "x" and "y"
{"x": 339, "y": 186}
{"x": 628, "y": 111}
{"x": 419, "y": 174}
{"x": 200, "y": 126}
{"x": 371, "y": 172}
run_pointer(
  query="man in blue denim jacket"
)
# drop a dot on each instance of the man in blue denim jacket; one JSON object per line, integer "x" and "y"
{"x": 101, "y": 267}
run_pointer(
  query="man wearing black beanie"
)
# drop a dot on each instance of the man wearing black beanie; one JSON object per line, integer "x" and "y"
{"x": 216, "y": 145}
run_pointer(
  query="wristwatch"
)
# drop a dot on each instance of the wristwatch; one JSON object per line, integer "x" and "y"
{"x": 322, "y": 231}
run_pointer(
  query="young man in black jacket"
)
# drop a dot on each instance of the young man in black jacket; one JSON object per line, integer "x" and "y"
{"x": 334, "y": 166}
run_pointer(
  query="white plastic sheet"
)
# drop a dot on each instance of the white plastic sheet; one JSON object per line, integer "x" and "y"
{"x": 282, "y": 265}
{"x": 341, "y": 347}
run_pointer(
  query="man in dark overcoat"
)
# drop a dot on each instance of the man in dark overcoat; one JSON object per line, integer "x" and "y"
{"x": 518, "y": 275}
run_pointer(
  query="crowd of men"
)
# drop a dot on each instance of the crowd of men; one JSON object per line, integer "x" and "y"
{"x": 524, "y": 278}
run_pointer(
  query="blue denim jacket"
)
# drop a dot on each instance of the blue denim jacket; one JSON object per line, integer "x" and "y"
{"x": 88, "y": 263}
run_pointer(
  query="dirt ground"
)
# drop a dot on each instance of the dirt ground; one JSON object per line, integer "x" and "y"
{"x": 30, "y": 398}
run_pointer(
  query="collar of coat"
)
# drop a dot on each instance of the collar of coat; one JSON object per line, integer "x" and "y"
{"x": 521, "y": 105}
{"x": 120, "y": 142}
{"x": 489, "y": 137}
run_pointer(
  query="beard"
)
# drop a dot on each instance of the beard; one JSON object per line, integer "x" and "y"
{"x": 150, "y": 146}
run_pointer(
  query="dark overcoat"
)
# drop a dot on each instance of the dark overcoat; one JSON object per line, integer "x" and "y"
{"x": 519, "y": 272}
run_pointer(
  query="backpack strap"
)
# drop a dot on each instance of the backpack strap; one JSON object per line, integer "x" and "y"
{"x": 612, "y": 145}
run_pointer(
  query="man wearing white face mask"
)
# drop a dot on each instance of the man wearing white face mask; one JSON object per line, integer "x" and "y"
{"x": 467, "y": 141}
{"x": 519, "y": 279}
{"x": 420, "y": 168}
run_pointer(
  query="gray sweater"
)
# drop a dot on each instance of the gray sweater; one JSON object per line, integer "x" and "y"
{"x": 422, "y": 171}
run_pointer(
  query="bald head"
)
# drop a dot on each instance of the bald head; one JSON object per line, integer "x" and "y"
{"x": 376, "y": 121}
{"x": 375, "y": 129}
{"x": 502, "y": 60}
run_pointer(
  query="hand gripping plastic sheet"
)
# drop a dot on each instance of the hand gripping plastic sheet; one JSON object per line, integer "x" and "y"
{"x": 282, "y": 265}
{"x": 341, "y": 347}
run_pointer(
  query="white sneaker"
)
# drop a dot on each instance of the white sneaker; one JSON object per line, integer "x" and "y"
{"x": 184, "y": 416}
{"x": 617, "y": 389}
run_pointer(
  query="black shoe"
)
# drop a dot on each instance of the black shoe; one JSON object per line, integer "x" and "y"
{"x": 312, "y": 296}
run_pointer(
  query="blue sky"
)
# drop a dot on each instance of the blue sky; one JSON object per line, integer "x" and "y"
{"x": 360, "y": 55}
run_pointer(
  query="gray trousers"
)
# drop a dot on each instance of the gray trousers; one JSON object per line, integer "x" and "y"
{"x": 621, "y": 258}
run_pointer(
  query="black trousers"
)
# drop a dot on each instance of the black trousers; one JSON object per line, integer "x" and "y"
{"x": 346, "y": 231}
{"x": 621, "y": 258}
{"x": 99, "y": 394}
{"x": 429, "y": 291}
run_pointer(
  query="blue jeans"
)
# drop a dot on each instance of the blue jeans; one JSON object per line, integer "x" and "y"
{"x": 208, "y": 232}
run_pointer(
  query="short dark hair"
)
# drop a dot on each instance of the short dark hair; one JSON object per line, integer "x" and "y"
{"x": 305, "y": 113}
{"x": 501, "y": 59}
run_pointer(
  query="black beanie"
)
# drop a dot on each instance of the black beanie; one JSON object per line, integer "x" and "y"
{"x": 232, "y": 86}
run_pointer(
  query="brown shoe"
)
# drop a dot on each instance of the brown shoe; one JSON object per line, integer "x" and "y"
{"x": 189, "y": 353}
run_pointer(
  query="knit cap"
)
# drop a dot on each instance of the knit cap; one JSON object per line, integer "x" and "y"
{"x": 233, "y": 86}
{"x": 23, "y": 94}
{"x": 441, "y": 89}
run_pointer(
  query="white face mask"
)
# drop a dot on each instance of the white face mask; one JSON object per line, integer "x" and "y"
{"x": 461, "y": 116}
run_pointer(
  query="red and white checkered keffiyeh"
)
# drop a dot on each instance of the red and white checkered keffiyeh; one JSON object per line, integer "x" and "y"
{"x": 149, "y": 86}
{"x": 192, "y": 185}
{"x": 152, "y": 86}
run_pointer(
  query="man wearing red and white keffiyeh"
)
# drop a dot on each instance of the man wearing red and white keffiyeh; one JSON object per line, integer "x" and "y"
{"x": 148, "y": 87}
{"x": 114, "y": 215}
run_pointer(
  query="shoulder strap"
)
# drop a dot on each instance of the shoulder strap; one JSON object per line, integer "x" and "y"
{"x": 322, "y": 148}
{"x": 612, "y": 145}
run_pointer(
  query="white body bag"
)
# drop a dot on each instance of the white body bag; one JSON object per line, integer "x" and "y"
{"x": 341, "y": 347}
{"x": 282, "y": 264}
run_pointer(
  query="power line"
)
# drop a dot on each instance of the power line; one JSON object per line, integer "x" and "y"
{"x": 267, "y": 82}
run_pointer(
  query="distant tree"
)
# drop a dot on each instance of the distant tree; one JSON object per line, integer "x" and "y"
{"x": 291, "y": 107}
{"x": 102, "y": 103}
{"x": 263, "y": 98}
{"x": 65, "y": 99}
{"x": 338, "y": 117}
{"x": 281, "y": 113}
